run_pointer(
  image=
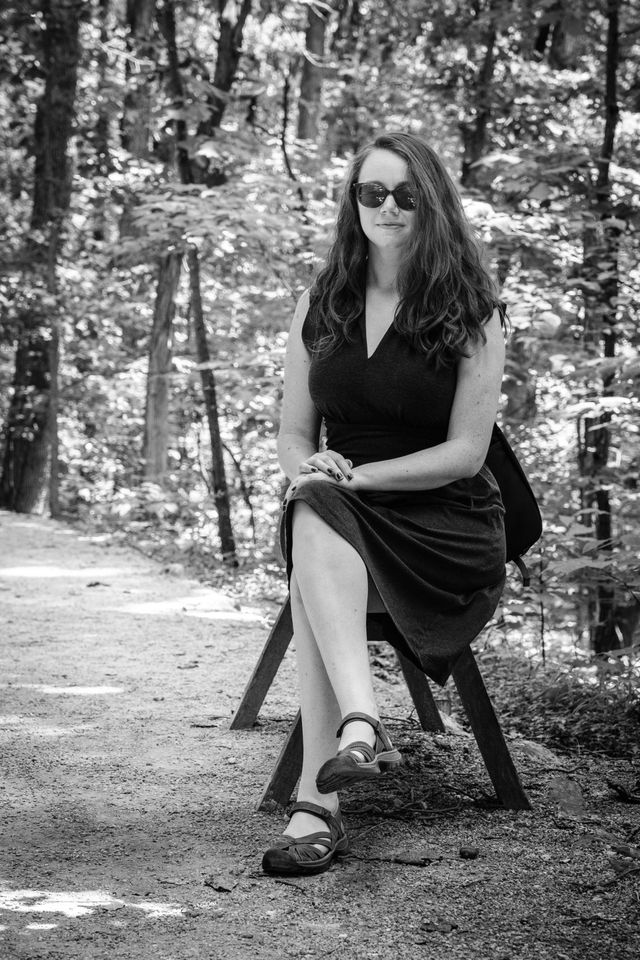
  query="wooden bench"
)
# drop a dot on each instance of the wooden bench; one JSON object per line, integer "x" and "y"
{"x": 471, "y": 690}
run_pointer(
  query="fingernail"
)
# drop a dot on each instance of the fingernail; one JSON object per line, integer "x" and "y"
{"x": 339, "y": 476}
{"x": 313, "y": 469}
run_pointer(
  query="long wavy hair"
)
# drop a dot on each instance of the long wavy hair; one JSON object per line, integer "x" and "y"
{"x": 446, "y": 293}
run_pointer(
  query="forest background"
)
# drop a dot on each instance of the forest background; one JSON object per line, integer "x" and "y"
{"x": 168, "y": 182}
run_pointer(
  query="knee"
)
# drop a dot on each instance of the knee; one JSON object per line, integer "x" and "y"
{"x": 294, "y": 590}
{"x": 309, "y": 529}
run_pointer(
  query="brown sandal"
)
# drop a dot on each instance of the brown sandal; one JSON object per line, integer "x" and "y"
{"x": 297, "y": 856}
{"x": 349, "y": 766}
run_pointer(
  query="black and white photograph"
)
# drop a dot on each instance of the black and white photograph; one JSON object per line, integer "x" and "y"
{"x": 319, "y": 480}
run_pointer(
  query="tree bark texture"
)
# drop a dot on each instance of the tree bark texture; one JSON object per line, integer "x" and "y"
{"x": 167, "y": 22}
{"x": 29, "y": 425}
{"x": 136, "y": 120}
{"x": 156, "y": 439}
{"x": 227, "y": 59}
{"x": 310, "y": 102}
{"x": 26, "y": 449}
{"x": 601, "y": 243}
{"x": 232, "y": 19}
{"x": 474, "y": 131}
{"x": 226, "y": 68}
{"x": 220, "y": 490}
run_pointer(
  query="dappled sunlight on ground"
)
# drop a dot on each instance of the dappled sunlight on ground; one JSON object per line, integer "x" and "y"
{"x": 209, "y": 605}
{"x": 80, "y": 903}
{"x": 49, "y": 571}
{"x": 12, "y": 725}
{"x": 66, "y": 691}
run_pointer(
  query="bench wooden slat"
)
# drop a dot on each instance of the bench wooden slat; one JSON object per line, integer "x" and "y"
{"x": 471, "y": 689}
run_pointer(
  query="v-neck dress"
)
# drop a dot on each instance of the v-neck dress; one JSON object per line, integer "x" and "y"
{"x": 437, "y": 557}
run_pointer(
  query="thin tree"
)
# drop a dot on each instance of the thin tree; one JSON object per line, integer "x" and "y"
{"x": 474, "y": 129}
{"x": 186, "y": 172}
{"x": 31, "y": 438}
{"x": 310, "y": 101}
{"x": 601, "y": 246}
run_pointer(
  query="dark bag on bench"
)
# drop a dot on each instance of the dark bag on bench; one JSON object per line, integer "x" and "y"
{"x": 522, "y": 520}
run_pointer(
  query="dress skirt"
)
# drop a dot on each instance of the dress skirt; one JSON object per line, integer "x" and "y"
{"x": 437, "y": 559}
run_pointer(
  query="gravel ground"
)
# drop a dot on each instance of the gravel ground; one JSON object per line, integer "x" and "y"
{"x": 129, "y": 821}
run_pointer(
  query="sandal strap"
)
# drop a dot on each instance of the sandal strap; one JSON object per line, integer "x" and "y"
{"x": 381, "y": 733}
{"x": 365, "y": 749}
{"x": 320, "y": 836}
{"x": 358, "y": 716}
{"x": 333, "y": 821}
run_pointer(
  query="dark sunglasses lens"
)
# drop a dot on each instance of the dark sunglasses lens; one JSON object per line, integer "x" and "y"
{"x": 404, "y": 198}
{"x": 370, "y": 195}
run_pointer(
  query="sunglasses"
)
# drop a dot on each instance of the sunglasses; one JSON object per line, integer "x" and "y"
{"x": 374, "y": 195}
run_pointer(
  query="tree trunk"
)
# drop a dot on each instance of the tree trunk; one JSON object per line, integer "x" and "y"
{"x": 220, "y": 490}
{"x": 136, "y": 120}
{"x": 232, "y": 19}
{"x": 226, "y": 67}
{"x": 311, "y": 82}
{"x": 102, "y": 131}
{"x": 31, "y": 419}
{"x": 156, "y": 439}
{"x": 601, "y": 244}
{"x": 26, "y": 450}
{"x": 474, "y": 131}
{"x": 227, "y": 57}
{"x": 167, "y": 21}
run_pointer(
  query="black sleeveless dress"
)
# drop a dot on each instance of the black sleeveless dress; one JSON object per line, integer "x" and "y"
{"x": 437, "y": 557}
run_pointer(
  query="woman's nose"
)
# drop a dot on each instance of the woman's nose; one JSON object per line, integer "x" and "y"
{"x": 390, "y": 205}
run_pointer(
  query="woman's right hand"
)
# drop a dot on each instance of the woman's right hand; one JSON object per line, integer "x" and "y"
{"x": 325, "y": 467}
{"x": 328, "y": 461}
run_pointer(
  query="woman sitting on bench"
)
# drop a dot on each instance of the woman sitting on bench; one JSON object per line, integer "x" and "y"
{"x": 398, "y": 347}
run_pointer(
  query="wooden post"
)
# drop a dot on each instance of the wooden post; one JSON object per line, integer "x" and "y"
{"x": 265, "y": 670}
{"x": 284, "y": 775}
{"x": 488, "y": 734}
{"x": 420, "y": 691}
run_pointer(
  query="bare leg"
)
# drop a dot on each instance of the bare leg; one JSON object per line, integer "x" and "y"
{"x": 333, "y": 585}
{"x": 320, "y": 718}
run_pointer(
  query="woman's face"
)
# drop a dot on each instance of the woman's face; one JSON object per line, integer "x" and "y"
{"x": 386, "y": 226}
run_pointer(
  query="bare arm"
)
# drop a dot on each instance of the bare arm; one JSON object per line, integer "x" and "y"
{"x": 472, "y": 416}
{"x": 299, "y": 422}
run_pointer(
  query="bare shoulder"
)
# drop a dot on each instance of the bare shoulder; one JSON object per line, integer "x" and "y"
{"x": 300, "y": 314}
{"x": 493, "y": 327}
{"x": 494, "y": 342}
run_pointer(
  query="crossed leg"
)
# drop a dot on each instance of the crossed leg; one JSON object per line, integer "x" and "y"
{"x": 329, "y": 594}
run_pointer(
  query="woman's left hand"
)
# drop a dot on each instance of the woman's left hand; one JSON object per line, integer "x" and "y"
{"x": 316, "y": 477}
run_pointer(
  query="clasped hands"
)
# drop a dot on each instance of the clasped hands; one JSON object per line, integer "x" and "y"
{"x": 326, "y": 466}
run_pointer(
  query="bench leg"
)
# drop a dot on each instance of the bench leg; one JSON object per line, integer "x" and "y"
{"x": 486, "y": 730}
{"x": 420, "y": 691}
{"x": 265, "y": 670}
{"x": 284, "y": 775}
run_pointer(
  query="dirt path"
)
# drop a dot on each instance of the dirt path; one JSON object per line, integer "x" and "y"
{"x": 123, "y": 789}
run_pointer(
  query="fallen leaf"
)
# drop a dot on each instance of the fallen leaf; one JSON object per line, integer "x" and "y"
{"x": 625, "y": 850}
{"x": 623, "y": 794}
{"x": 418, "y": 858}
{"x": 438, "y": 925}
{"x": 222, "y": 882}
{"x": 619, "y": 864}
{"x": 536, "y": 751}
{"x": 469, "y": 853}
{"x": 568, "y": 795}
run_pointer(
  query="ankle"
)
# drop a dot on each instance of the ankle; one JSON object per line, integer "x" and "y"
{"x": 358, "y": 730}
